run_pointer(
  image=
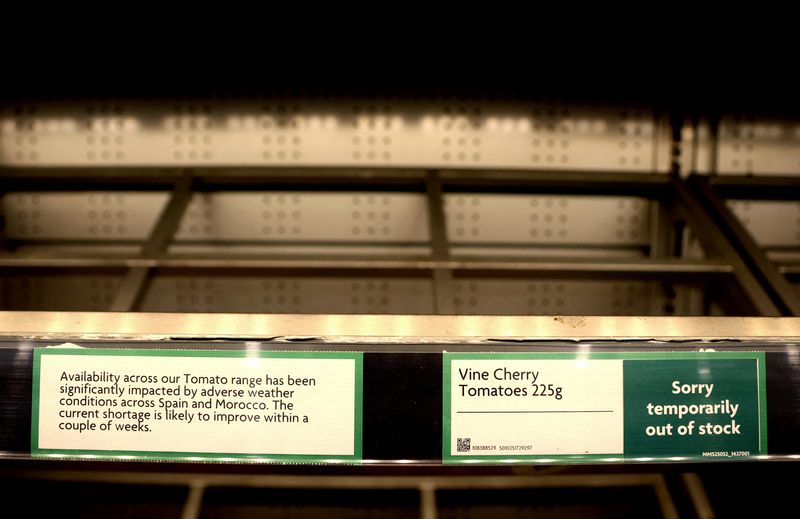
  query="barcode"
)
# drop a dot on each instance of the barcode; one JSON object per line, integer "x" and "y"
{"x": 462, "y": 444}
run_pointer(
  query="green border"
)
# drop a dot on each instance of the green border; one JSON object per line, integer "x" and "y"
{"x": 761, "y": 362}
{"x": 448, "y": 357}
{"x": 358, "y": 403}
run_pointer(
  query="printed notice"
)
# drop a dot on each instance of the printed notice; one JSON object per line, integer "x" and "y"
{"x": 207, "y": 404}
{"x": 683, "y": 407}
{"x": 613, "y": 406}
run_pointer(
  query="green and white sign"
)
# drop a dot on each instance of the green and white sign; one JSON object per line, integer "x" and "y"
{"x": 181, "y": 404}
{"x": 603, "y": 406}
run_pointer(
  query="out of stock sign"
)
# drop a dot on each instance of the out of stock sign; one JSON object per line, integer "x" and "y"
{"x": 603, "y": 406}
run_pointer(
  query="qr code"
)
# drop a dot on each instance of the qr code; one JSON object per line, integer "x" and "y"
{"x": 462, "y": 444}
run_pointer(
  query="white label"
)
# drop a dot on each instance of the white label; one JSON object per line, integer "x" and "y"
{"x": 196, "y": 402}
{"x": 511, "y": 407}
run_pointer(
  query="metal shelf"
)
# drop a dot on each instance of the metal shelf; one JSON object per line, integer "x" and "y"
{"x": 463, "y": 180}
{"x": 675, "y": 203}
{"x": 430, "y": 489}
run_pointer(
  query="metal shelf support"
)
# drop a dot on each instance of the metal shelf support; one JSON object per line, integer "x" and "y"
{"x": 784, "y": 295}
{"x": 135, "y": 282}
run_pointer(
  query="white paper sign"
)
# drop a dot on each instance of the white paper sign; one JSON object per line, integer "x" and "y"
{"x": 171, "y": 403}
{"x": 508, "y": 407}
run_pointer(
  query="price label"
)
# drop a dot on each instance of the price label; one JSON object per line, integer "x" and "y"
{"x": 602, "y": 406}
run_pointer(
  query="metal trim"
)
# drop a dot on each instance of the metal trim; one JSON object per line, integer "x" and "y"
{"x": 148, "y": 325}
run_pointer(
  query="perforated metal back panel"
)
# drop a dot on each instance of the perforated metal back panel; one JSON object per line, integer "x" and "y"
{"x": 758, "y": 145}
{"x": 303, "y": 217}
{"x": 749, "y": 144}
{"x": 322, "y": 133}
{"x": 330, "y": 223}
{"x": 81, "y": 216}
{"x": 311, "y": 132}
{"x": 37, "y": 290}
{"x": 522, "y": 219}
{"x": 771, "y": 223}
